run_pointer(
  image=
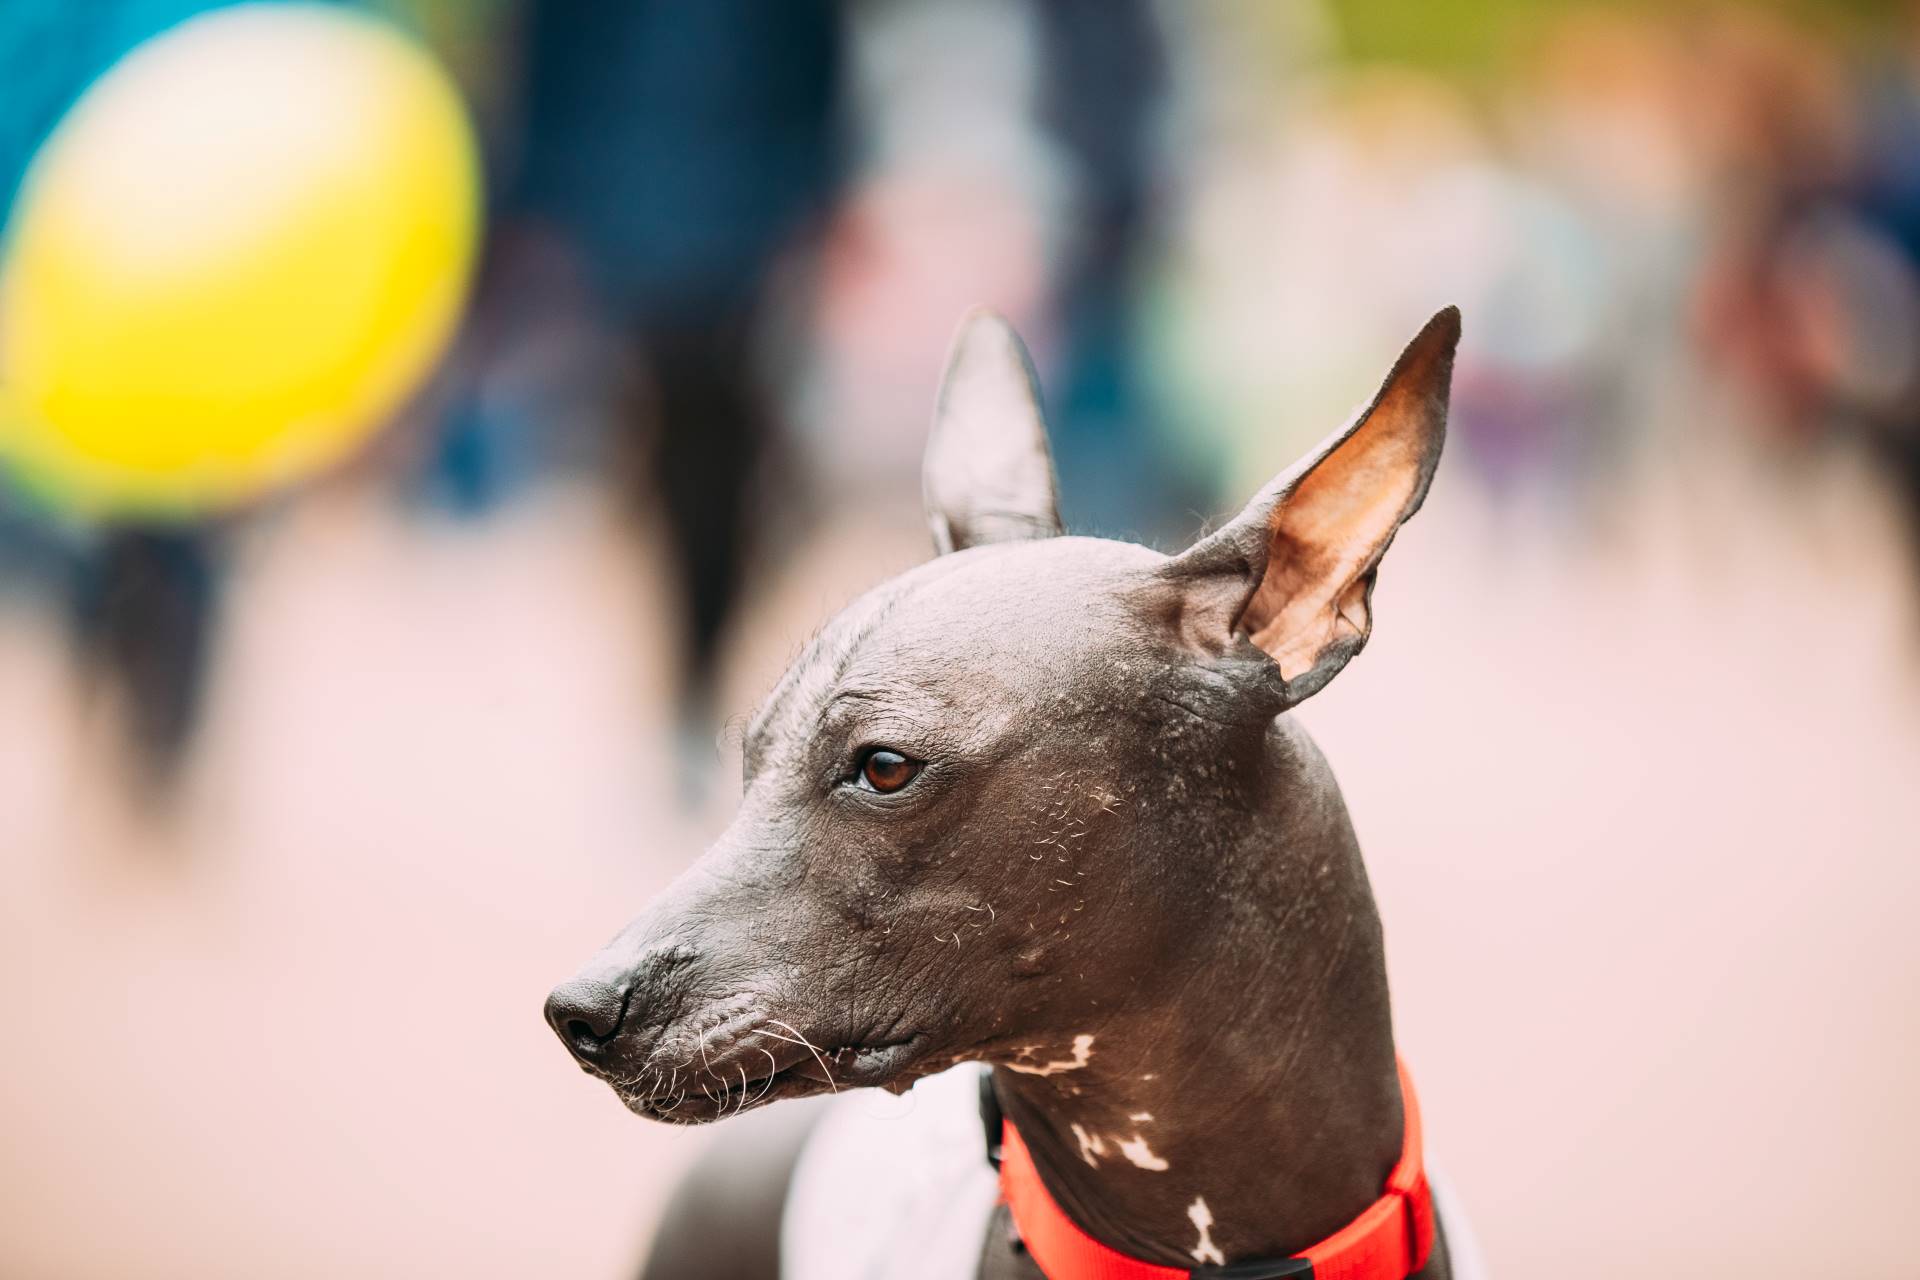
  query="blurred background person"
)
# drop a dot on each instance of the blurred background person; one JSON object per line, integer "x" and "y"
{"x": 680, "y": 156}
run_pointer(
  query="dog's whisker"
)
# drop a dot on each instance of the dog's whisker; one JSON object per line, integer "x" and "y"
{"x": 808, "y": 1045}
{"x": 773, "y": 1064}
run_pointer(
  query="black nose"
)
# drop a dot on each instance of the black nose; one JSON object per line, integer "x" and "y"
{"x": 586, "y": 1014}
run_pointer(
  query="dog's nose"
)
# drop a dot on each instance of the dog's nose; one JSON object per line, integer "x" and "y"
{"x": 586, "y": 1014}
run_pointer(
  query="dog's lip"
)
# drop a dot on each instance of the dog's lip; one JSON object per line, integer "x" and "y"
{"x": 800, "y": 1071}
{"x": 868, "y": 1065}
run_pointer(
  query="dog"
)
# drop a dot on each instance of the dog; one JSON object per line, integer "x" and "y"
{"x": 1038, "y": 804}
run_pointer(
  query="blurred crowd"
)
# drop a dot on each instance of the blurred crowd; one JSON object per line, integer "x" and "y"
{"x": 728, "y": 241}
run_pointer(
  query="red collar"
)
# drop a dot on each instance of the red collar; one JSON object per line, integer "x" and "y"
{"x": 1390, "y": 1240}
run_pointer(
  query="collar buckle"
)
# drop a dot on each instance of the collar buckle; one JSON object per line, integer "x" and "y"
{"x": 1272, "y": 1269}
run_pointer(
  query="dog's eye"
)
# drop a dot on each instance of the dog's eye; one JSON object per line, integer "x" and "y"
{"x": 887, "y": 771}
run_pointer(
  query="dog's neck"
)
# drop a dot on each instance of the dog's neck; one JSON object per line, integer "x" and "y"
{"x": 1251, "y": 1107}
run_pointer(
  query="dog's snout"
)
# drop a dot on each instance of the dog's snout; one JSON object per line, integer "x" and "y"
{"x": 586, "y": 1014}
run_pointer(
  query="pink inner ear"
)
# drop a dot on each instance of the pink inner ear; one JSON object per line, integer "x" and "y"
{"x": 1315, "y": 534}
{"x": 1329, "y": 531}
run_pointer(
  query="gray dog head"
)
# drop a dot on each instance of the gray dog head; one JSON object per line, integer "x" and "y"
{"x": 982, "y": 808}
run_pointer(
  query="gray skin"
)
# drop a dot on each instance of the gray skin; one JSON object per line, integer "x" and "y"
{"x": 1114, "y": 831}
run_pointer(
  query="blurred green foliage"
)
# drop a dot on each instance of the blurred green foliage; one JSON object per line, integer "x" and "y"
{"x": 1477, "y": 36}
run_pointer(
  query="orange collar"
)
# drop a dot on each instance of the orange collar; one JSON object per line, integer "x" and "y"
{"x": 1390, "y": 1240}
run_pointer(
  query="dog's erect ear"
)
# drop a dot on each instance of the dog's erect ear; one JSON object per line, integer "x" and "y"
{"x": 1294, "y": 572}
{"x": 988, "y": 476}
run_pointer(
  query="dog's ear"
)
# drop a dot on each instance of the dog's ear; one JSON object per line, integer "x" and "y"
{"x": 988, "y": 476}
{"x": 1294, "y": 571}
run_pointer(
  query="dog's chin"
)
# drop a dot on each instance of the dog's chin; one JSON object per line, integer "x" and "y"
{"x": 704, "y": 1105}
{"x": 893, "y": 1066}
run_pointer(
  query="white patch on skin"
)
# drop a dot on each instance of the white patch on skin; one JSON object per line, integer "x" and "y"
{"x": 1082, "y": 1051}
{"x": 1141, "y": 1117}
{"x": 1136, "y": 1150}
{"x": 1202, "y": 1218}
{"x": 1091, "y": 1145}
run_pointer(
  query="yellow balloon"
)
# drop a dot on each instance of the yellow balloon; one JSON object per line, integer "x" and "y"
{"x": 232, "y": 261}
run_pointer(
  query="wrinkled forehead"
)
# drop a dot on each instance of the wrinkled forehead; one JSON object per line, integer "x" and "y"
{"x": 991, "y": 617}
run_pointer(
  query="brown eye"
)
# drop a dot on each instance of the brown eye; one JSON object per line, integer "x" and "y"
{"x": 885, "y": 771}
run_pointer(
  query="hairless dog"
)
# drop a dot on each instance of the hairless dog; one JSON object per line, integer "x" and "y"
{"x": 1038, "y": 804}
